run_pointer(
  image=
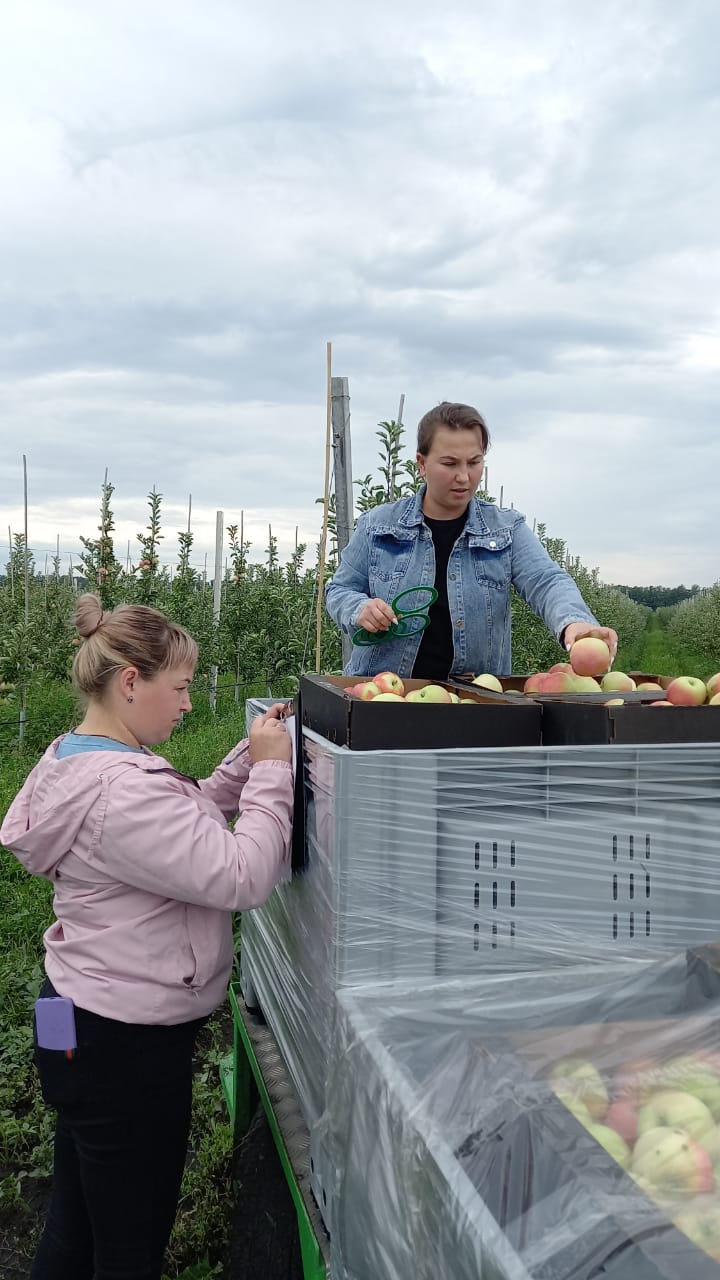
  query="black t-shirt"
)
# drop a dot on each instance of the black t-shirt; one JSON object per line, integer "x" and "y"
{"x": 435, "y": 655}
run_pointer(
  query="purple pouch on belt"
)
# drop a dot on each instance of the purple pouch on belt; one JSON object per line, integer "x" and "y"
{"x": 55, "y": 1023}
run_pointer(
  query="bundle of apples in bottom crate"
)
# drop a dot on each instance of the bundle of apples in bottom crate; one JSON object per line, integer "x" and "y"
{"x": 641, "y": 1096}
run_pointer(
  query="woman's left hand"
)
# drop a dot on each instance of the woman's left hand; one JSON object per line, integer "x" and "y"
{"x": 578, "y": 630}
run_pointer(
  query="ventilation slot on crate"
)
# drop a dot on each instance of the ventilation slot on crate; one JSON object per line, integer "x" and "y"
{"x": 495, "y": 895}
{"x": 632, "y": 884}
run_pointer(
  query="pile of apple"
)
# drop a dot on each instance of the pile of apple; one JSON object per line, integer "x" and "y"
{"x": 660, "y": 1120}
{"x": 588, "y": 671}
{"x": 388, "y": 687}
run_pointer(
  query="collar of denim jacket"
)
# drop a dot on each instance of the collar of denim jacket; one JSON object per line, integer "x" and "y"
{"x": 412, "y": 514}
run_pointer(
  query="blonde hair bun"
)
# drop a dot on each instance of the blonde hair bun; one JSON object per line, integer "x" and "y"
{"x": 88, "y": 615}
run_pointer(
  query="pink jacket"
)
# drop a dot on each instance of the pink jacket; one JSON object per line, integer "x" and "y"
{"x": 147, "y": 874}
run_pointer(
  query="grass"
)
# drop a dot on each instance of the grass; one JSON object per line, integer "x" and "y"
{"x": 26, "y": 1125}
{"x": 658, "y": 656}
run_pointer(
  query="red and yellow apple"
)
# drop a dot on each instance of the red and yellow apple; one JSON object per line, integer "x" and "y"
{"x": 590, "y": 656}
{"x": 559, "y": 682}
{"x": 671, "y": 1162}
{"x": 617, "y": 682}
{"x": 675, "y": 1109}
{"x": 686, "y": 691}
{"x": 389, "y": 682}
{"x": 366, "y": 690}
{"x": 622, "y": 1117}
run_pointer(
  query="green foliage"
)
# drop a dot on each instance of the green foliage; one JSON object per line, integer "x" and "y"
{"x": 694, "y": 628}
{"x": 535, "y": 649}
{"x": 98, "y": 563}
{"x": 660, "y": 597}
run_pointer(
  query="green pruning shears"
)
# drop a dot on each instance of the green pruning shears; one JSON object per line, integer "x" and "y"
{"x": 409, "y": 621}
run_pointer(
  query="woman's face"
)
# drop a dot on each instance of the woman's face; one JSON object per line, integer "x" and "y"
{"x": 453, "y": 470}
{"x": 159, "y": 704}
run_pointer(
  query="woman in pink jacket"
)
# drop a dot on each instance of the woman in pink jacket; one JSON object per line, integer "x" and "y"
{"x": 146, "y": 875}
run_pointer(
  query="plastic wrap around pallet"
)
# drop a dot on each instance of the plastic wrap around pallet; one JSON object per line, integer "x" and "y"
{"x": 562, "y": 1126}
{"x": 425, "y": 865}
{"x": 480, "y": 946}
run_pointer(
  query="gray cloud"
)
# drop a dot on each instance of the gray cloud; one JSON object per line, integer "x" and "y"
{"x": 517, "y": 208}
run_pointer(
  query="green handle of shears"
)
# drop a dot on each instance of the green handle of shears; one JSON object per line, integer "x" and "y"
{"x": 364, "y": 638}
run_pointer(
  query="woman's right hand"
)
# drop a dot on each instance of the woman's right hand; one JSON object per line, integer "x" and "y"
{"x": 269, "y": 739}
{"x": 376, "y": 615}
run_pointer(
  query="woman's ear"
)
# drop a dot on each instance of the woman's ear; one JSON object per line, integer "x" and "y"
{"x": 126, "y": 682}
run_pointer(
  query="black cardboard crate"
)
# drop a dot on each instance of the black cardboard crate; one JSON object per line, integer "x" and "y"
{"x": 586, "y": 720}
{"x": 369, "y": 726}
{"x": 567, "y": 723}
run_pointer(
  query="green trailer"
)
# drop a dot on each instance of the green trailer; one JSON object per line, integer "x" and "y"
{"x": 254, "y": 1072}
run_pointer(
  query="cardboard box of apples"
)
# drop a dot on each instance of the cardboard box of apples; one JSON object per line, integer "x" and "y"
{"x": 368, "y": 715}
{"x": 584, "y": 702}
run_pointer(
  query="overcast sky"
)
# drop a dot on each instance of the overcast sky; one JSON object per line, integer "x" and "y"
{"x": 513, "y": 205}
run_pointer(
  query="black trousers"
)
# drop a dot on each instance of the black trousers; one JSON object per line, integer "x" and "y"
{"x": 123, "y": 1116}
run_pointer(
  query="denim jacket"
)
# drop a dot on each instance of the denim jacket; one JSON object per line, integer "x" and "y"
{"x": 392, "y": 549}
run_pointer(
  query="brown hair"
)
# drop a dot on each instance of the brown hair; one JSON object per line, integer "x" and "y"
{"x": 130, "y": 636}
{"x": 460, "y": 417}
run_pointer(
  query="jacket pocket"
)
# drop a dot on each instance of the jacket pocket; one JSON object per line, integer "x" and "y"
{"x": 389, "y": 560}
{"x": 492, "y": 558}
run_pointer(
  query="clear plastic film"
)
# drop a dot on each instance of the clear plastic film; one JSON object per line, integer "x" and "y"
{"x": 560, "y": 1126}
{"x": 453, "y": 901}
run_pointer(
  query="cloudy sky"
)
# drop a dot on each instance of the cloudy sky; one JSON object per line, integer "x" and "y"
{"x": 514, "y": 205}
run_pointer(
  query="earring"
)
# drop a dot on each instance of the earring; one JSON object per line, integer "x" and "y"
{"x": 130, "y": 698}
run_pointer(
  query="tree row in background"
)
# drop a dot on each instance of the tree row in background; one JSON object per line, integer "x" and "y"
{"x": 266, "y": 629}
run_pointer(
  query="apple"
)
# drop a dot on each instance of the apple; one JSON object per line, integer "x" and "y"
{"x": 650, "y": 685}
{"x": 622, "y": 1117}
{"x": 617, "y": 682}
{"x": 366, "y": 690}
{"x": 428, "y": 693}
{"x": 470, "y": 702}
{"x": 670, "y": 1161}
{"x": 560, "y": 666}
{"x": 698, "y": 1077}
{"x": 559, "y": 682}
{"x": 389, "y": 682}
{"x": 590, "y": 656}
{"x": 713, "y": 685}
{"x": 579, "y": 1110}
{"x": 675, "y": 1109}
{"x": 662, "y": 702}
{"x": 487, "y": 681}
{"x": 533, "y": 684}
{"x": 388, "y": 697}
{"x": 454, "y": 697}
{"x": 711, "y": 1143}
{"x": 686, "y": 691}
{"x": 612, "y": 1142}
{"x": 579, "y": 1080}
{"x": 715, "y": 700}
{"x": 614, "y": 702}
{"x": 586, "y": 684}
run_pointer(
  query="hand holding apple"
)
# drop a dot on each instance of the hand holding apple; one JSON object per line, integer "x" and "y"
{"x": 575, "y": 631}
{"x": 590, "y": 656}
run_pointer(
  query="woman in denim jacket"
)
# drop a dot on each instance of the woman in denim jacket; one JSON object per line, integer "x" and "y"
{"x": 471, "y": 551}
